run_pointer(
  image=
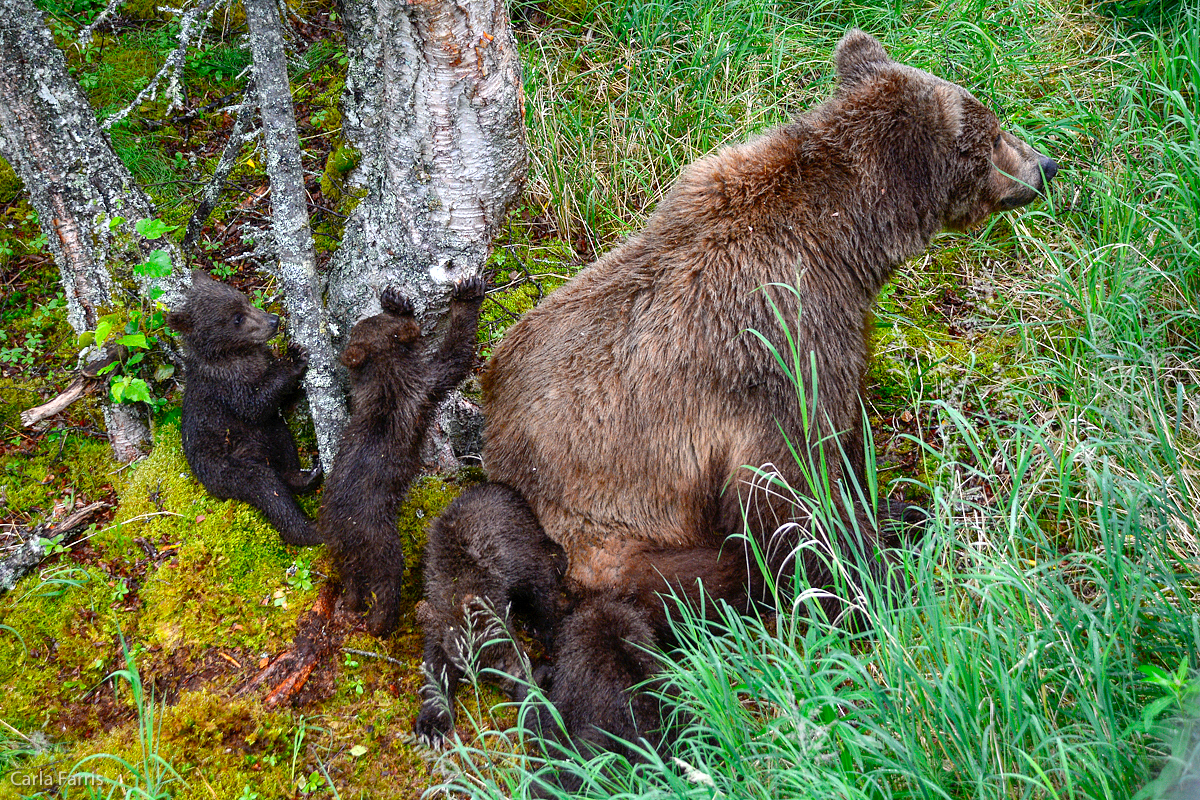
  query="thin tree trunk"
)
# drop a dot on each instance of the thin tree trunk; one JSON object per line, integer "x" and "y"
{"x": 80, "y": 189}
{"x": 289, "y": 223}
{"x": 433, "y": 103}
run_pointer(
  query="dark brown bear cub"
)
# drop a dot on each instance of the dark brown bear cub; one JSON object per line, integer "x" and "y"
{"x": 487, "y": 564}
{"x": 234, "y": 436}
{"x": 396, "y": 385}
{"x": 604, "y": 675}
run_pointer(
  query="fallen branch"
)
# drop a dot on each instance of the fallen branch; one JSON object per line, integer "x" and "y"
{"x": 173, "y": 66}
{"x": 88, "y": 378}
{"x": 76, "y": 390}
{"x": 369, "y": 654}
{"x": 31, "y": 552}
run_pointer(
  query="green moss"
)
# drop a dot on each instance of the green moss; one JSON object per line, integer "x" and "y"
{"x": 337, "y": 168}
{"x": 427, "y": 498}
{"x": 526, "y": 270}
{"x": 228, "y": 566}
{"x": 56, "y": 644}
{"x": 15, "y": 397}
{"x": 10, "y": 184}
{"x": 573, "y": 10}
{"x": 62, "y": 465}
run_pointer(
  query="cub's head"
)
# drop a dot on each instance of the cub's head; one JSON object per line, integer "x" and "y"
{"x": 381, "y": 335}
{"x": 939, "y": 143}
{"x": 219, "y": 321}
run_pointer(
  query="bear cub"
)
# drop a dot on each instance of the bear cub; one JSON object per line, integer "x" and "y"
{"x": 396, "y": 385}
{"x": 234, "y": 435}
{"x": 604, "y": 686}
{"x": 488, "y": 564}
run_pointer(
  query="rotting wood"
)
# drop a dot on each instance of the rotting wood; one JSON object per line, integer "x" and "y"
{"x": 32, "y": 551}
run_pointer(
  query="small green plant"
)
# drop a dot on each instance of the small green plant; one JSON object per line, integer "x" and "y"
{"x": 149, "y": 776}
{"x": 299, "y": 575}
{"x": 312, "y": 783}
{"x": 141, "y": 334}
{"x": 355, "y": 681}
{"x": 120, "y": 591}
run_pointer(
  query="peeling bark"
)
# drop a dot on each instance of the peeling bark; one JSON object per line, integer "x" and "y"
{"x": 433, "y": 104}
{"x": 49, "y": 134}
{"x": 289, "y": 224}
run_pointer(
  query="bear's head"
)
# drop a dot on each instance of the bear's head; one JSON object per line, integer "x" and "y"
{"x": 381, "y": 335}
{"x": 942, "y": 148}
{"x": 218, "y": 320}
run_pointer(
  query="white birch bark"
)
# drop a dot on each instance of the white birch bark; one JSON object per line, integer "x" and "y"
{"x": 434, "y": 105}
{"x": 297, "y": 275}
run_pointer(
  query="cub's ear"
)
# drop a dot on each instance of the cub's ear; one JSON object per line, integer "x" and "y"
{"x": 858, "y": 54}
{"x": 179, "y": 321}
{"x": 354, "y": 355}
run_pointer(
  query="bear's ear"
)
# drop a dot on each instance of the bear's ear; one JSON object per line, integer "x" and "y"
{"x": 200, "y": 276}
{"x": 354, "y": 355}
{"x": 858, "y": 54}
{"x": 179, "y": 321}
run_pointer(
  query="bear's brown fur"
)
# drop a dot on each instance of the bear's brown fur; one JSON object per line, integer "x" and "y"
{"x": 488, "y": 564}
{"x": 626, "y": 406}
{"x": 234, "y": 436}
{"x": 396, "y": 383}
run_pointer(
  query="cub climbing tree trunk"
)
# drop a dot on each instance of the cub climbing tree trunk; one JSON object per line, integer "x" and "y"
{"x": 433, "y": 105}
{"x": 86, "y": 200}
{"x": 289, "y": 223}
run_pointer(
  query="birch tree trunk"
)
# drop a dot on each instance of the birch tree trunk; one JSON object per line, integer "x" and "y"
{"x": 289, "y": 224}
{"x": 433, "y": 104}
{"x": 81, "y": 191}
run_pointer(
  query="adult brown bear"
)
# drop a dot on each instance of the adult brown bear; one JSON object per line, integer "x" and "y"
{"x": 627, "y": 406}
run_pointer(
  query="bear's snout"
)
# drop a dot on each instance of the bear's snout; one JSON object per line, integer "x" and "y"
{"x": 273, "y": 319}
{"x": 1048, "y": 166}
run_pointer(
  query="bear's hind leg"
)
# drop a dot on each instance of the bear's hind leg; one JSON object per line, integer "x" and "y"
{"x": 266, "y": 491}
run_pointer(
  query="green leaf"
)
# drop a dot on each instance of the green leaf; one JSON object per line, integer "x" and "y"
{"x": 115, "y": 222}
{"x": 138, "y": 391}
{"x": 117, "y": 389}
{"x": 164, "y": 371}
{"x": 134, "y": 340}
{"x": 1154, "y": 674}
{"x": 158, "y": 265}
{"x": 102, "y": 331}
{"x": 86, "y": 338}
{"x": 358, "y": 750}
{"x": 153, "y": 228}
{"x": 135, "y": 359}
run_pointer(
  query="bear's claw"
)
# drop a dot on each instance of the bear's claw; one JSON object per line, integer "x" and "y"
{"x": 469, "y": 289}
{"x": 395, "y": 303}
